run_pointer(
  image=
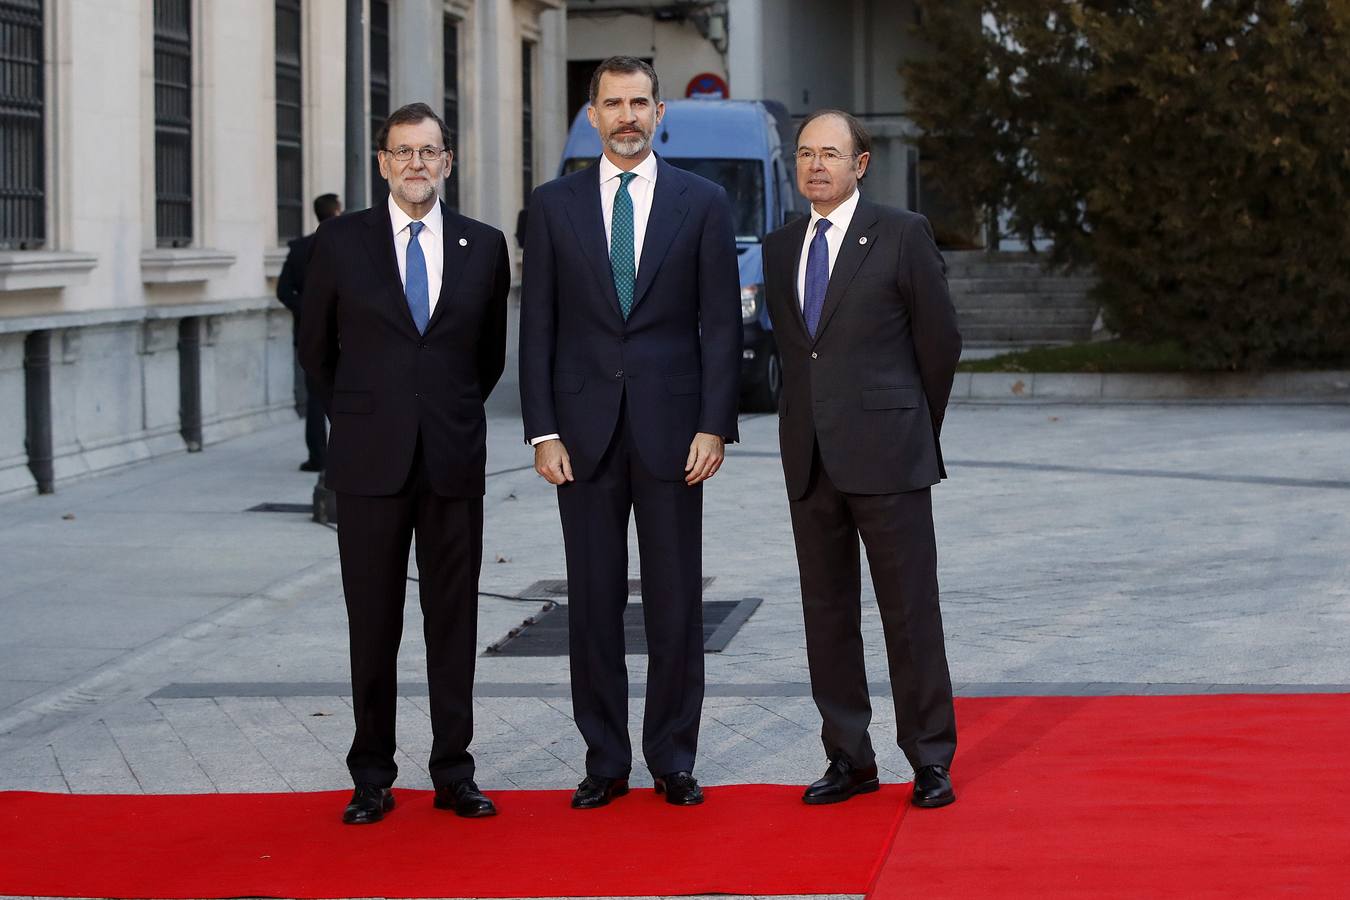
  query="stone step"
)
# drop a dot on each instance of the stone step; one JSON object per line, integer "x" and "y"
{"x": 1025, "y": 334}
{"x": 1026, "y": 316}
{"x": 962, "y": 300}
{"x": 1011, "y": 265}
{"x": 1046, "y": 284}
{"x": 1029, "y": 268}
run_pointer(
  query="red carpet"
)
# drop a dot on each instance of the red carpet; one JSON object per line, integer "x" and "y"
{"x": 1197, "y": 796}
{"x": 750, "y": 839}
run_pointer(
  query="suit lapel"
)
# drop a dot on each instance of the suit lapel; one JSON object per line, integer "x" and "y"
{"x": 589, "y": 223}
{"x": 384, "y": 263}
{"x": 663, "y": 223}
{"x": 796, "y": 234}
{"x": 453, "y": 255}
{"x": 858, "y": 242}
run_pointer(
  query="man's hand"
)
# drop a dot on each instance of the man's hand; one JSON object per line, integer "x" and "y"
{"x": 705, "y": 458}
{"x": 552, "y": 462}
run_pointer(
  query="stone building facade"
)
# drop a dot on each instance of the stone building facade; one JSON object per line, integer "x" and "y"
{"x": 158, "y": 156}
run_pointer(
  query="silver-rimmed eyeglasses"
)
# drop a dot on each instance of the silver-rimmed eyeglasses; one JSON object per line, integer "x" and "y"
{"x": 807, "y": 157}
{"x": 428, "y": 154}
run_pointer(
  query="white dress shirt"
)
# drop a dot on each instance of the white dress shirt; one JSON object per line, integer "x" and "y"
{"x": 839, "y": 217}
{"x": 431, "y": 241}
{"x": 640, "y": 189}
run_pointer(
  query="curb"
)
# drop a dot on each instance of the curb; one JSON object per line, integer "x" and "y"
{"x": 1278, "y": 387}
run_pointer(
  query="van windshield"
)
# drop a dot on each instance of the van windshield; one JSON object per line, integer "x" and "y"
{"x": 743, "y": 179}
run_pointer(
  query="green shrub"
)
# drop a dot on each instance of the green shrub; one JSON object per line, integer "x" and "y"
{"x": 1195, "y": 154}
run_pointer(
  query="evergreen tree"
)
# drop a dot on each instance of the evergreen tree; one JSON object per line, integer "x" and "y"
{"x": 1195, "y": 153}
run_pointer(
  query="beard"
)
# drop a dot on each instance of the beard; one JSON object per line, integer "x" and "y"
{"x": 629, "y": 145}
{"x": 416, "y": 191}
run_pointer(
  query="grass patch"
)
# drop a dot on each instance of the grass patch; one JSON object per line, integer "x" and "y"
{"x": 1121, "y": 356}
{"x": 1101, "y": 356}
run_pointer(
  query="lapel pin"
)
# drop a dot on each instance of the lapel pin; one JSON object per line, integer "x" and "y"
{"x": 463, "y": 242}
{"x": 863, "y": 239}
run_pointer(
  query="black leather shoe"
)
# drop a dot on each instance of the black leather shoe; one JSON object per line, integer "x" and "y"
{"x": 680, "y": 788}
{"x": 597, "y": 790}
{"x": 368, "y": 805}
{"x": 310, "y": 465}
{"x": 840, "y": 782}
{"x": 465, "y": 799}
{"x": 933, "y": 787}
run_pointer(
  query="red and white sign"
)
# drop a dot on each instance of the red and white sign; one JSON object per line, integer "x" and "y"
{"x": 707, "y": 86}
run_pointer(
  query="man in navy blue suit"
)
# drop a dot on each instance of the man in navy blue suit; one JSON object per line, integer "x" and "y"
{"x": 630, "y": 345}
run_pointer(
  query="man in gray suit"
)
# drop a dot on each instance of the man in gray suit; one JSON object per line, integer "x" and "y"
{"x": 868, "y": 341}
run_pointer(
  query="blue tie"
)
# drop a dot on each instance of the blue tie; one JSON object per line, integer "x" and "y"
{"x": 415, "y": 282}
{"x": 621, "y": 245}
{"x": 817, "y": 276}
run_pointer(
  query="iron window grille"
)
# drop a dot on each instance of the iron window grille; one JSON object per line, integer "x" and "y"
{"x": 379, "y": 92}
{"x": 173, "y": 123}
{"x": 450, "y": 107}
{"x": 23, "y": 201}
{"x": 527, "y": 118}
{"x": 290, "y": 171}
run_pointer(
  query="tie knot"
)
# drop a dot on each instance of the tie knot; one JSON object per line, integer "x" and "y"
{"x": 416, "y": 228}
{"x": 625, "y": 177}
{"x": 822, "y": 225}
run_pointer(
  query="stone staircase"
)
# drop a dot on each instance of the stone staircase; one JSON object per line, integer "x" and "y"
{"x": 1007, "y": 299}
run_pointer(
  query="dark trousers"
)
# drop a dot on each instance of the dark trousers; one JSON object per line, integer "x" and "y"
{"x": 669, "y": 518}
{"x": 897, "y": 530}
{"x": 373, "y": 538}
{"x": 316, "y": 425}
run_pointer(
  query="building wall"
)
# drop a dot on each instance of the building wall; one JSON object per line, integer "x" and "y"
{"x": 109, "y": 302}
{"x": 677, "y": 50}
{"x": 808, "y": 55}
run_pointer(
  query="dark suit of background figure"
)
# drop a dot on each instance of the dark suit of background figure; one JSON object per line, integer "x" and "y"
{"x": 626, "y": 399}
{"x": 407, "y": 454}
{"x": 290, "y": 287}
{"x": 860, "y": 413}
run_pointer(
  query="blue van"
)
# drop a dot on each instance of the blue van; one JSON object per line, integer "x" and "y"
{"x": 745, "y": 146}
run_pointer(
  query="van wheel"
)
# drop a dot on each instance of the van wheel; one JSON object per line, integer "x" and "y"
{"x": 763, "y": 396}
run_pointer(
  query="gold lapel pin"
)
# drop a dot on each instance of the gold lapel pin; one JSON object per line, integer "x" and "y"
{"x": 863, "y": 239}
{"x": 463, "y": 242}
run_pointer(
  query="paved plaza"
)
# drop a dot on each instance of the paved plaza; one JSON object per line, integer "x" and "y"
{"x": 156, "y": 636}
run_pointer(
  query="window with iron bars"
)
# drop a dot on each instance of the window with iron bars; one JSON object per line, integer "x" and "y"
{"x": 450, "y": 107}
{"x": 23, "y": 200}
{"x": 379, "y": 92}
{"x": 290, "y": 169}
{"x": 173, "y": 123}
{"x": 527, "y": 118}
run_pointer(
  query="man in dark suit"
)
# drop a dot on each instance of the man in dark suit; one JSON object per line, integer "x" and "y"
{"x": 290, "y": 287}
{"x": 630, "y": 345}
{"x": 868, "y": 340}
{"x": 404, "y": 330}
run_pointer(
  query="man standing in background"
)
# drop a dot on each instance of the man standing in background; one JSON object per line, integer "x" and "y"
{"x": 630, "y": 353}
{"x": 290, "y": 287}
{"x": 868, "y": 340}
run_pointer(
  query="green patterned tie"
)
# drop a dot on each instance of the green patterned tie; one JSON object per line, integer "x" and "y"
{"x": 621, "y": 245}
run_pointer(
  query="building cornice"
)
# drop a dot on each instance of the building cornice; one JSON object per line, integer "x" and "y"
{"x": 173, "y": 265}
{"x": 31, "y": 270}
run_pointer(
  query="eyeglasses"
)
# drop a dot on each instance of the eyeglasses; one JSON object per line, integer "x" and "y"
{"x": 807, "y": 157}
{"x": 428, "y": 154}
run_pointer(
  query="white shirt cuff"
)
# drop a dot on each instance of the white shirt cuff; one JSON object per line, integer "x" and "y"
{"x": 534, "y": 442}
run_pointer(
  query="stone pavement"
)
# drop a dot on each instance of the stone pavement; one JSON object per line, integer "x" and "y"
{"x": 157, "y": 637}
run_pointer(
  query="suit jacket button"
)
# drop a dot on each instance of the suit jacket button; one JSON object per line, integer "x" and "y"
{"x": 618, "y": 374}
{"x": 813, "y": 355}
